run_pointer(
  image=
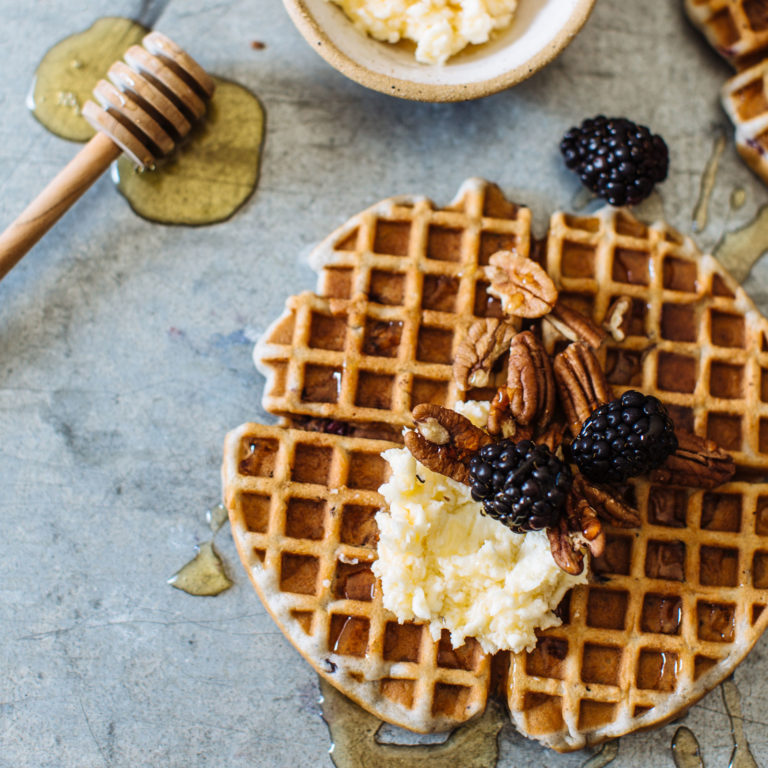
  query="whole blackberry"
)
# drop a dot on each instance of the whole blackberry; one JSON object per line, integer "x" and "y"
{"x": 617, "y": 159}
{"x": 624, "y": 438}
{"x": 520, "y": 484}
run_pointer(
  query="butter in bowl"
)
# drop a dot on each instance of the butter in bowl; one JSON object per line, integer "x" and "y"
{"x": 427, "y": 50}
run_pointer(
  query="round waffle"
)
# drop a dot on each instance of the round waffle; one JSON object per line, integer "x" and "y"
{"x": 673, "y": 606}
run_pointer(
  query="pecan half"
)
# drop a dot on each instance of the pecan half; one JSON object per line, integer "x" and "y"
{"x": 485, "y": 342}
{"x": 522, "y": 286}
{"x": 581, "y": 383}
{"x": 591, "y": 528}
{"x": 565, "y": 556}
{"x": 606, "y": 503}
{"x": 530, "y": 381}
{"x": 697, "y": 461}
{"x": 585, "y": 527}
{"x": 501, "y": 422}
{"x": 444, "y": 441}
{"x": 575, "y": 326}
{"x": 617, "y": 320}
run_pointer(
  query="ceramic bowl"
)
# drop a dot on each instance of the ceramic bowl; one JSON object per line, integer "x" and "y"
{"x": 540, "y": 30}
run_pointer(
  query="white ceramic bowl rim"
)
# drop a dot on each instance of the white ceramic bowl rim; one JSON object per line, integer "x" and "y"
{"x": 531, "y": 41}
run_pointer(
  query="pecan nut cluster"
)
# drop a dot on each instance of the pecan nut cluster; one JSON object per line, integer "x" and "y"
{"x": 541, "y": 399}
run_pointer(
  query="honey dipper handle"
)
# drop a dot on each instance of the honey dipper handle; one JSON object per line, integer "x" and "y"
{"x": 62, "y": 192}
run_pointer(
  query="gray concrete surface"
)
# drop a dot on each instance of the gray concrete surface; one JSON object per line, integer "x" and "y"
{"x": 125, "y": 355}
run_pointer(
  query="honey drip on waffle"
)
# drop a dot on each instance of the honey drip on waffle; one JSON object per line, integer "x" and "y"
{"x": 206, "y": 180}
{"x": 204, "y": 575}
{"x": 353, "y": 735}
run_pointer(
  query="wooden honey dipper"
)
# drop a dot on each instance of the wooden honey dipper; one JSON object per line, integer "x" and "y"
{"x": 149, "y": 106}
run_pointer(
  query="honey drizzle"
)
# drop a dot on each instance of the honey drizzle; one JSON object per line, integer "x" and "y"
{"x": 685, "y": 747}
{"x": 216, "y": 517}
{"x": 354, "y": 745}
{"x": 707, "y": 184}
{"x": 742, "y": 756}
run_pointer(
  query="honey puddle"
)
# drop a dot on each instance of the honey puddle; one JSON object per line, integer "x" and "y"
{"x": 701, "y": 211}
{"x": 68, "y": 72}
{"x": 739, "y": 250}
{"x": 205, "y": 575}
{"x": 607, "y": 754}
{"x": 685, "y": 749}
{"x": 741, "y": 757}
{"x": 474, "y": 745}
{"x": 354, "y": 745}
{"x": 211, "y": 174}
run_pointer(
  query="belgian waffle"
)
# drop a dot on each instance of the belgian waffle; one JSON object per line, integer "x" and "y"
{"x": 736, "y": 29}
{"x": 302, "y": 508}
{"x": 399, "y": 283}
{"x": 745, "y": 99}
{"x": 677, "y": 603}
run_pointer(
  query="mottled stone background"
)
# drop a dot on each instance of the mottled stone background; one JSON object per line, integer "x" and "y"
{"x": 125, "y": 355}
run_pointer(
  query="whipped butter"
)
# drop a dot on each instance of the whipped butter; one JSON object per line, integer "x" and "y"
{"x": 438, "y": 27}
{"x": 442, "y": 561}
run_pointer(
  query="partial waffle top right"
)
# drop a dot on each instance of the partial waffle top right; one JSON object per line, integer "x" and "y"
{"x": 738, "y": 31}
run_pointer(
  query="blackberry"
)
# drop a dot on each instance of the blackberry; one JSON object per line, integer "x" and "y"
{"x": 520, "y": 484}
{"x": 617, "y": 159}
{"x": 624, "y": 438}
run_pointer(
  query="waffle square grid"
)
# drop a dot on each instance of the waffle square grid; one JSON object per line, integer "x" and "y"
{"x": 302, "y": 508}
{"x": 399, "y": 284}
{"x": 694, "y": 341}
